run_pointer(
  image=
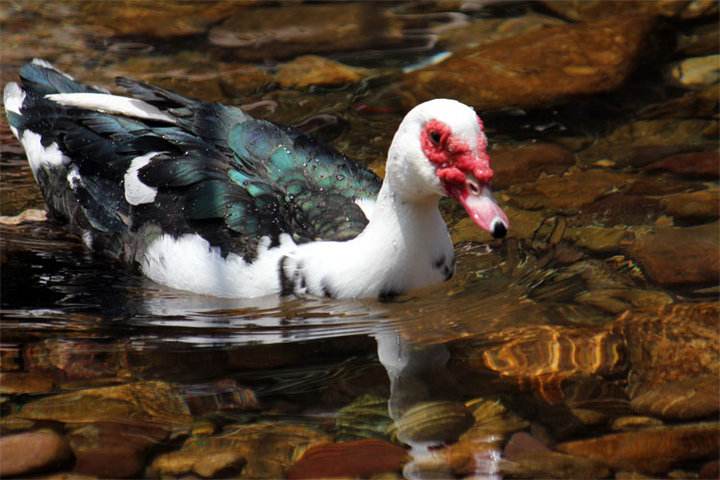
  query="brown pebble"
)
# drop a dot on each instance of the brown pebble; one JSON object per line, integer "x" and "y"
{"x": 30, "y": 452}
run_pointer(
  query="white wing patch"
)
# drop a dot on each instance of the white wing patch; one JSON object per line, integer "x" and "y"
{"x": 190, "y": 263}
{"x": 136, "y": 192}
{"x": 13, "y": 98}
{"x": 114, "y": 104}
{"x": 38, "y": 155}
{"x": 44, "y": 63}
{"x": 367, "y": 205}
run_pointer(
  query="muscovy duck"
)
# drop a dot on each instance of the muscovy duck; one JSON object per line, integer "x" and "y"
{"x": 205, "y": 198}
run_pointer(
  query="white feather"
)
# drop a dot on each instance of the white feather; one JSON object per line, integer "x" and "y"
{"x": 40, "y": 156}
{"x": 73, "y": 178}
{"x": 115, "y": 104}
{"x": 13, "y": 98}
{"x": 136, "y": 192}
{"x": 367, "y": 205}
{"x": 190, "y": 263}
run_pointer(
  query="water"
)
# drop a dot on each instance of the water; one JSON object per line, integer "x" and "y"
{"x": 530, "y": 335}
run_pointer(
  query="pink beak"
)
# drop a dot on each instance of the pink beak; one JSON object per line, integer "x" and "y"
{"x": 481, "y": 206}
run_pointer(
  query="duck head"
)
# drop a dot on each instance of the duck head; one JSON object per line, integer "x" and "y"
{"x": 440, "y": 149}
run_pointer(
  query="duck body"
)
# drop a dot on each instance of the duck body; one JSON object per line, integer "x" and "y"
{"x": 205, "y": 198}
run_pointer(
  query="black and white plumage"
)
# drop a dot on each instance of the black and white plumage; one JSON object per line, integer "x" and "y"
{"x": 205, "y": 198}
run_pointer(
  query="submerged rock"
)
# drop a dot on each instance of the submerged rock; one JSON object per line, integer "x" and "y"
{"x": 674, "y": 357}
{"x": 697, "y": 71}
{"x": 693, "y": 206}
{"x": 29, "y": 452}
{"x": 13, "y": 383}
{"x": 652, "y": 450}
{"x": 525, "y": 163}
{"x": 309, "y": 70}
{"x": 259, "y": 450}
{"x": 537, "y": 68}
{"x": 366, "y": 417}
{"x": 679, "y": 256}
{"x": 433, "y": 422}
{"x": 29, "y": 215}
{"x": 359, "y": 458}
{"x": 526, "y": 457}
{"x": 703, "y": 165}
{"x": 155, "y": 403}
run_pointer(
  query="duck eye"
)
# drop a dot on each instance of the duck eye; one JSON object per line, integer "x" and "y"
{"x": 435, "y": 137}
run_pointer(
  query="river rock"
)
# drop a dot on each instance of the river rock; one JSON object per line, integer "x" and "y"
{"x": 652, "y": 450}
{"x": 272, "y": 32}
{"x": 697, "y": 71}
{"x": 258, "y": 450}
{"x": 359, "y": 458}
{"x": 113, "y": 450}
{"x": 679, "y": 256}
{"x": 701, "y": 40}
{"x": 703, "y": 165}
{"x": 525, "y": 163}
{"x": 366, "y": 417}
{"x": 568, "y": 192}
{"x": 154, "y": 402}
{"x": 433, "y": 422}
{"x": 30, "y": 452}
{"x": 634, "y": 423}
{"x": 674, "y": 356}
{"x": 590, "y": 10}
{"x": 620, "y": 209}
{"x": 29, "y": 215}
{"x": 165, "y": 20}
{"x": 69, "y": 360}
{"x": 309, "y": 70}
{"x": 526, "y": 457}
{"x": 537, "y": 68}
{"x": 13, "y": 383}
{"x": 693, "y": 206}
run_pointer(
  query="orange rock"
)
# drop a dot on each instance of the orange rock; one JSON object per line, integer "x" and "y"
{"x": 361, "y": 458}
{"x": 32, "y": 451}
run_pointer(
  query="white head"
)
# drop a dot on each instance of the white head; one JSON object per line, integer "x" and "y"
{"x": 440, "y": 150}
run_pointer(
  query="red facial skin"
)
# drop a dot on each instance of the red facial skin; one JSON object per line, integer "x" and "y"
{"x": 463, "y": 172}
{"x": 454, "y": 158}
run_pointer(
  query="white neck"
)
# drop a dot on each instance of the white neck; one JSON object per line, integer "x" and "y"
{"x": 405, "y": 245}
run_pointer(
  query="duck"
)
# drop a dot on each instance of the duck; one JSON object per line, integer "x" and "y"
{"x": 202, "y": 197}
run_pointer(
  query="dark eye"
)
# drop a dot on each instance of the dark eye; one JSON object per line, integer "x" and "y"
{"x": 435, "y": 137}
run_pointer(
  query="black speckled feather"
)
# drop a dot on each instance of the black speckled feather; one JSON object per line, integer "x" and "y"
{"x": 218, "y": 172}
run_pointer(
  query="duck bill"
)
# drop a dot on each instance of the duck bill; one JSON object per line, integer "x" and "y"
{"x": 483, "y": 210}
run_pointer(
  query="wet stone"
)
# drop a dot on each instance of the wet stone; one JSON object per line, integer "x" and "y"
{"x": 679, "y": 256}
{"x": 154, "y": 402}
{"x": 652, "y": 450}
{"x": 526, "y": 457}
{"x": 693, "y": 206}
{"x": 366, "y": 417}
{"x": 29, "y": 215}
{"x": 14, "y": 383}
{"x": 113, "y": 450}
{"x": 259, "y": 450}
{"x": 674, "y": 356}
{"x": 703, "y": 165}
{"x": 359, "y": 458}
{"x": 309, "y": 70}
{"x": 525, "y": 163}
{"x": 590, "y": 10}
{"x": 635, "y": 423}
{"x": 537, "y": 68}
{"x": 701, "y": 40}
{"x": 697, "y": 71}
{"x": 69, "y": 360}
{"x": 433, "y": 422}
{"x": 30, "y": 452}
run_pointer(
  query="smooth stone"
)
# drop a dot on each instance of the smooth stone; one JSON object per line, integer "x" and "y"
{"x": 113, "y": 450}
{"x": 679, "y": 256}
{"x": 29, "y": 215}
{"x": 359, "y": 458}
{"x": 619, "y": 209}
{"x": 154, "y": 402}
{"x": 693, "y": 206}
{"x": 15, "y": 383}
{"x": 569, "y": 192}
{"x": 652, "y": 450}
{"x": 144, "y": 18}
{"x": 523, "y": 224}
{"x": 482, "y": 31}
{"x": 537, "y": 68}
{"x": 702, "y": 40}
{"x": 526, "y": 457}
{"x": 76, "y": 360}
{"x": 270, "y": 32}
{"x": 710, "y": 470}
{"x": 525, "y": 163}
{"x": 617, "y": 300}
{"x": 257, "y": 450}
{"x": 29, "y": 452}
{"x": 674, "y": 356}
{"x": 433, "y": 422}
{"x": 600, "y": 239}
{"x": 309, "y": 70}
{"x": 634, "y": 423}
{"x": 703, "y": 165}
{"x": 9, "y": 358}
{"x": 366, "y": 417}
{"x": 590, "y": 10}
{"x": 697, "y": 71}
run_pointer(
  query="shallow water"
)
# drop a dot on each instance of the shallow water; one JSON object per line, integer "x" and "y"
{"x": 591, "y": 329}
